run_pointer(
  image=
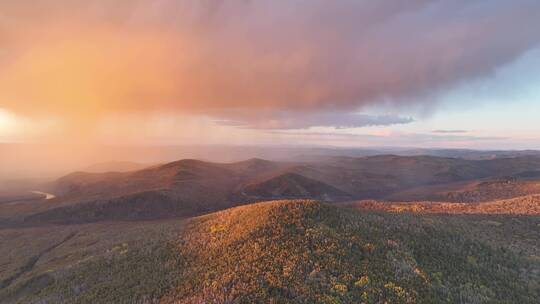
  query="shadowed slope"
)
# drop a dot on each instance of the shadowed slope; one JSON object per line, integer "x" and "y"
{"x": 292, "y": 185}
{"x": 473, "y": 191}
{"x": 192, "y": 187}
{"x": 182, "y": 188}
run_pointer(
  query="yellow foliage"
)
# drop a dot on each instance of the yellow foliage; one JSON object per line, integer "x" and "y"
{"x": 341, "y": 288}
{"x": 216, "y": 228}
{"x": 363, "y": 281}
{"x": 398, "y": 290}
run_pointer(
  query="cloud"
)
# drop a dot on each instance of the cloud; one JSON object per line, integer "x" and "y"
{"x": 449, "y": 131}
{"x": 392, "y": 139}
{"x": 82, "y": 59}
{"x": 294, "y": 120}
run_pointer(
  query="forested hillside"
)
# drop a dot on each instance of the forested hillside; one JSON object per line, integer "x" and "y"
{"x": 287, "y": 252}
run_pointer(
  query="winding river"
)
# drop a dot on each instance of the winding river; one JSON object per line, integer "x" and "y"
{"x": 48, "y": 196}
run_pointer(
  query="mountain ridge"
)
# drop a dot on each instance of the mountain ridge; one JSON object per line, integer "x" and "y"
{"x": 191, "y": 187}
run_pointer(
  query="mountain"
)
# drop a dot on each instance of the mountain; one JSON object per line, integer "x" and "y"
{"x": 178, "y": 189}
{"x": 468, "y": 154}
{"x": 483, "y": 190}
{"x": 277, "y": 252}
{"x": 292, "y": 185}
{"x": 182, "y": 188}
{"x": 192, "y": 187}
{"x": 377, "y": 177}
{"x": 176, "y": 233}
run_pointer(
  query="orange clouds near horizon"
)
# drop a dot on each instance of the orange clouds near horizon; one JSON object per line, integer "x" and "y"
{"x": 250, "y": 64}
{"x": 86, "y": 73}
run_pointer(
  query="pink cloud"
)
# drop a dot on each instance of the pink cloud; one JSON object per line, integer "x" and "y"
{"x": 81, "y": 59}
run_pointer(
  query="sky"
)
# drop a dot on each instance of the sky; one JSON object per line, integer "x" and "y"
{"x": 419, "y": 73}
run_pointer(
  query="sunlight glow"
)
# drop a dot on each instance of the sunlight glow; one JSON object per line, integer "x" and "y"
{"x": 8, "y": 122}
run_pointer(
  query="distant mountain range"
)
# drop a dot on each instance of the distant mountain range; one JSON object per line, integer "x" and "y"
{"x": 192, "y": 187}
{"x": 24, "y": 161}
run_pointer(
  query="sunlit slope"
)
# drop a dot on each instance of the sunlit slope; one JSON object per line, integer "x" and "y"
{"x": 307, "y": 252}
{"x": 523, "y": 205}
{"x": 289, "y": 252}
